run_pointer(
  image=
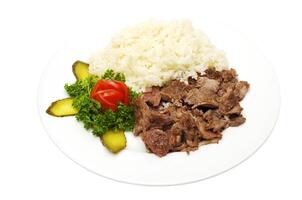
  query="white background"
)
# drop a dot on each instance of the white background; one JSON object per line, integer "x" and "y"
{"x": 31, "y": 167}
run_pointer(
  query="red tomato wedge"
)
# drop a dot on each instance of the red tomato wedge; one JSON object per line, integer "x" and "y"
{"x": 109, "y": 93}
{"x": 123, "y": 87}
{"x": 106, "y": 104}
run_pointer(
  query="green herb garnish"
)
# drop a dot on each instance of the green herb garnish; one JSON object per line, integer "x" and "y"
{"x": 90, "y": 112}
{"x": 111, "y": 75}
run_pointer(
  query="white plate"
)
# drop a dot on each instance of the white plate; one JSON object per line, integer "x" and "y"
{"x": 134, "y": 165}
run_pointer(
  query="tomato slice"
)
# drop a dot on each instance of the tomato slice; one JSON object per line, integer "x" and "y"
{"x": 96, "y": 87}
{"x": 106, "y": 84}
{"x": 125, "y": 90}
{"x": 109, "y": 99}
{"x": 105, "y": 103}
{"x": 109, "y": 93}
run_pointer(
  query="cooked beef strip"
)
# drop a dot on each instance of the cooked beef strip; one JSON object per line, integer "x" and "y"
{"x": 236, "y": 121}
{"x": 157, "y": 141}
{"x": 153, "y": 96}
{"x": 173, "y": 92}
{"x": 237, "y": 109}
{"x": 142, "y": 113}
{"x": 228, "y": 100}
{"x": 205, "y": 142}
{"x": 241, "y": 89}
{"x": 181, "y": 117}
{"x": 173, "y": 111}
{"x": 204, "y": 132}
{"x": 215, "y": 121}
{"x": 160, "y": 120}
{"x": 197, "y": 112}
{"x": 213, "y": 74}
{"x": 207, "y": 84}
{"x": 146, "y": 118}
{"x": 229, "y": 75}
{"x": 201, "y": 97}
{"x": 204, "y": 93}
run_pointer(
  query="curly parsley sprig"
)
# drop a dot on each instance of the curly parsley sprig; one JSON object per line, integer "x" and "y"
{"x": 90, "y": 112}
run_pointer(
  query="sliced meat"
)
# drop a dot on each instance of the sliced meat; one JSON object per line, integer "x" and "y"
{"x": 212, "y": 141}
{"x": 226, "y": 86}
{"x": 185, "y": 131}
{"x": 177, "y": 134}
{"x": 183, "y": 124}
{"x": 160, "y": 120}
{"x": 173, "y": 91}
{"x": 175, "y": 112}
{"x": 192, "y": 81}
{"x": 145, "y": 118}
{"x": 237, "y": 109}
{"x": 207, "y": 84}
{"x": 142, "y": 113}
{"x": 193, "y": 142}
{"x": 182, "y": 117}
{"x": 201, "y": 98}
{"x": 206, "y": 134}
{"x": 228, "y": 100}
{"x": 153, "y": 96}
{"x": 236, "y": 121}
{"x": 213, "y": 74}
{"x": 241, "y": 89}
{"x": 197, "y": 112}
{"x": 229, "y": 75}
{"x": 204, "y": 95}
{"x": 215, "y": 121}
{"x": 157, "y": 141}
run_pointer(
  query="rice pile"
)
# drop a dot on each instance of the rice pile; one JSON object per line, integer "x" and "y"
{"x": 154, "y": 52}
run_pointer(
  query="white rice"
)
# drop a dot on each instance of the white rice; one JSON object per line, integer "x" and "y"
{"x": 154, "y": 52}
